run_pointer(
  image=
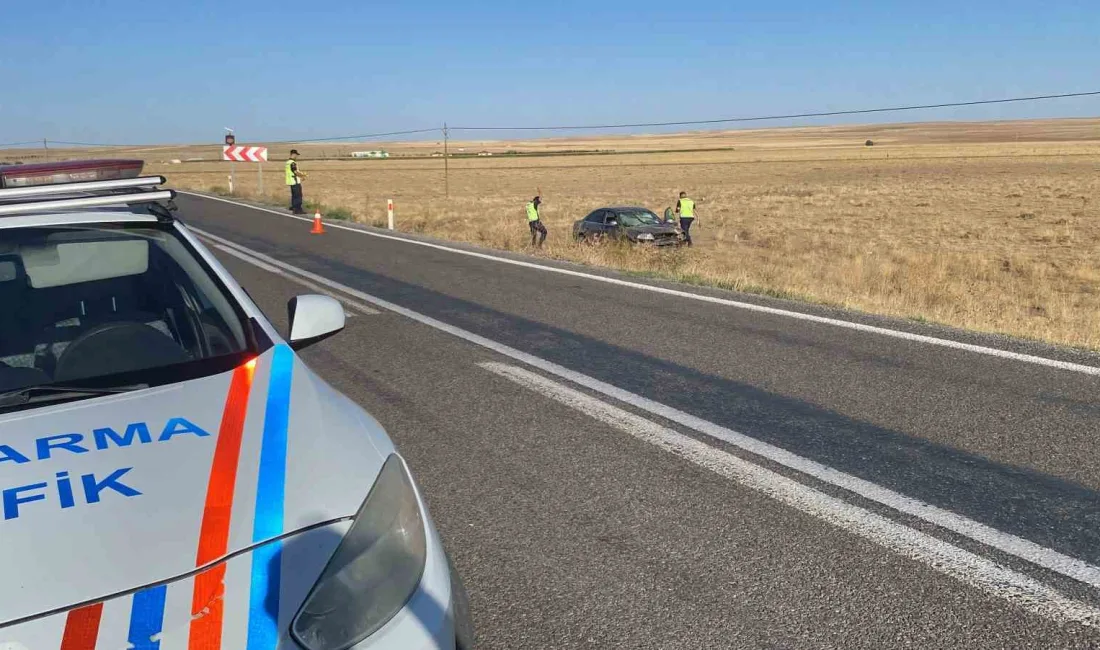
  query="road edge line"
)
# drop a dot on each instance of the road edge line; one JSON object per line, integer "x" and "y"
{"x": 774, "y": 311}
{"x": 942, "y": 556}
{"x": 260, "y": 264}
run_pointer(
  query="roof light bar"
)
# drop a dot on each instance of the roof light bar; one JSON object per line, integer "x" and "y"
{"x": 86, "y": 202}
{"x": 76, "y": 188}
{"x": 73, "y": 171}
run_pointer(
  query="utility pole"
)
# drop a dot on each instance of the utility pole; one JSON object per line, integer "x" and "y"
{"x": 446, "y": 167}
{"x": 45, "y": 150}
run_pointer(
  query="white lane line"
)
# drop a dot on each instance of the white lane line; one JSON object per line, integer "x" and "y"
{"x": 305, "y": 283}
{"x": 871, "y": 329}
{"x": 961, "y": 564}
{"x": 1002, "y": 541}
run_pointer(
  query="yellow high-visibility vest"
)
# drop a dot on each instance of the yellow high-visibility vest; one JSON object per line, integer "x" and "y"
{"x": 687, "y": 209}
{"x": 291, "y": 178}
{"x": 532, "y": 211}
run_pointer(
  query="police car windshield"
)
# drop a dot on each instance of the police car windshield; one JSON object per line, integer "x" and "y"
{"x": 638, "y": 218}
{"x": 103, "y": 305}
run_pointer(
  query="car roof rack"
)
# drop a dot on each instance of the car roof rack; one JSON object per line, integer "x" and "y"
{"x": 91, "y": 194}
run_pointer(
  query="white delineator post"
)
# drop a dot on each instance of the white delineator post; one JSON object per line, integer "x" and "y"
{"x": 230, "y": 182}
{"x": 389, "y": 209}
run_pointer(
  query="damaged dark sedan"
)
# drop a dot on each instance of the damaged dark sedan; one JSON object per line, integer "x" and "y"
{"x": 629, "y": 224}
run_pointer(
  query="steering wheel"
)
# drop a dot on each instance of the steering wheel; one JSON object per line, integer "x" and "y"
{"x": 112, "y": 348}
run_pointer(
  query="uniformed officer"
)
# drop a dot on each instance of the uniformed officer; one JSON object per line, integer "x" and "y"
{"x": 294, "y": 178}
{"x": 533, "y": 221}
{"x": 685, "y": 207}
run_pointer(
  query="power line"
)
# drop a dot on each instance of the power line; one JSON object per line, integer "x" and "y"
{"x": 94, "y": 144}
{"x": 367, "y": 136}
{"x": 579, "y": 127}
{"x": 20, "y": 144}
{"x": 364, "y": 136}
{"x": 761, "y": 118}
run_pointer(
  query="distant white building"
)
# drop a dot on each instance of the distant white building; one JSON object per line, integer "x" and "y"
{"x": 485, "y": 153}
{"x": 370, "y": 154}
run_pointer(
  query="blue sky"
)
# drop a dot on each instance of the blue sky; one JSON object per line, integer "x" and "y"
{"x": 120, "y": 71}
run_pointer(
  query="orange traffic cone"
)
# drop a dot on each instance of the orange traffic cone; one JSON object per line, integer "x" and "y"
{"x": 318, "y": 227}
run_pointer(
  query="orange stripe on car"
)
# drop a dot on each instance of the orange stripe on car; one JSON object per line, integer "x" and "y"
{"x": 82, "y": 628}
{"x": 207, "y": 598}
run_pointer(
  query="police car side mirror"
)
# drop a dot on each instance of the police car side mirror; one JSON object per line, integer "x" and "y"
{"x": 313, "y": 318}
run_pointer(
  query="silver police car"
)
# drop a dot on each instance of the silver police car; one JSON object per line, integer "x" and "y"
{"x": 172, "y": 476}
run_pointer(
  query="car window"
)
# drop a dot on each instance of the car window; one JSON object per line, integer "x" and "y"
{"x": 83, "y": 303}
{"x": 595, "y": 217}
{"x": 632, "y": 218}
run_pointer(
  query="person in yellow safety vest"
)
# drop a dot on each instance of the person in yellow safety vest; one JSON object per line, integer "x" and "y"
{"x": 533, "y": 221}
{"x": 294, "y": 178}
{"x": 685, "y": 207}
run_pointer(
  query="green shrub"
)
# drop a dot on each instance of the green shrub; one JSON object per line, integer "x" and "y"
{"x": 340, "y": 214}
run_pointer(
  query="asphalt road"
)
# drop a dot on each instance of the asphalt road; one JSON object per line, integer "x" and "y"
{"x": 764, "y": 482}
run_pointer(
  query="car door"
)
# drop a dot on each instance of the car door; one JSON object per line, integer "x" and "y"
{"x": 593, "y": 223}
{"x": 612, "y": 225}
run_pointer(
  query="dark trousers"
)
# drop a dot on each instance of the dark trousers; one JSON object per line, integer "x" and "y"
{"x": 296, "y": 198}
{"x": 685, "y": 225}
{"x": 537, "y": 229}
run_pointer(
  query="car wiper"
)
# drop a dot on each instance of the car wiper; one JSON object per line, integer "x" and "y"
{"x": 55, "y": 392}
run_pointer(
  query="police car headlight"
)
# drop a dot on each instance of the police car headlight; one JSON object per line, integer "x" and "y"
{"x": 645, "y": 236}
{"x": 375, "y": 570}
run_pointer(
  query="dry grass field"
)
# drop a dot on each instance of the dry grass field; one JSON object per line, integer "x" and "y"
{"x": 992, "y": 227}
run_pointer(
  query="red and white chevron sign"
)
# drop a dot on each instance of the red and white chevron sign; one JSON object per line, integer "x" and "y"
{"x": 244, "y": 154}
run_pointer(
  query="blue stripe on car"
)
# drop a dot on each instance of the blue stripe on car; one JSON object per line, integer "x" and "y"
{"x": 263, "y": 614}
{"x": 147, "y": 618}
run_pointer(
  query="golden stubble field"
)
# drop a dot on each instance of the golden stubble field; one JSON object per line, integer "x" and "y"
{"x": 992, "y": 227}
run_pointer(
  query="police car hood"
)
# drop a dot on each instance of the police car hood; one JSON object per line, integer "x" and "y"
{"x": 107, "y": 495}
